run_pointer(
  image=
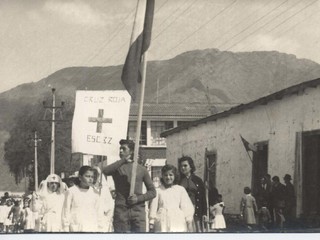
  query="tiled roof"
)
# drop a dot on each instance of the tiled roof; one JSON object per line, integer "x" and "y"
{"x": 242, "y": 107}
{"x": 175, "y": 109}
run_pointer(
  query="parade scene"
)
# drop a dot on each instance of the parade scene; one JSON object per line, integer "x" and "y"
{"x": 183, "y": 117}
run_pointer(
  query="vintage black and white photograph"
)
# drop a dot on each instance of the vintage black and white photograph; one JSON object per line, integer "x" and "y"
{"x": 160, "y": 116}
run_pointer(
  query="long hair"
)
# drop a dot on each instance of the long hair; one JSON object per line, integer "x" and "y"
{"x": 169, "y": 167}
{"x": 190, "y": 161}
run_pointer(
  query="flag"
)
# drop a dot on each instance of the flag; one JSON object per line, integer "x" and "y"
{"x": 248, "y": 146}
{"x": 139, "y": 44}
{"x": 99, "y": 122}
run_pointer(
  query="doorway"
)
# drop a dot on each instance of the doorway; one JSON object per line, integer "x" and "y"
{"x": 259, "y": 164}
{"x": 311, "y": 173}
{"x": 210, "y": 176}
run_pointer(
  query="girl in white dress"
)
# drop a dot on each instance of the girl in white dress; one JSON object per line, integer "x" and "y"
{"x": 106, "y": 203}
{"x": 217, "y": 211}
{"x": 28, "y": 218}
{"x": 81, "y": 206}
{"x": 171, "y": 210}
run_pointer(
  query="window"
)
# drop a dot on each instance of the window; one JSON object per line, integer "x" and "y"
{"x": 157, "y": 127}
{"x": 132, "y": 128}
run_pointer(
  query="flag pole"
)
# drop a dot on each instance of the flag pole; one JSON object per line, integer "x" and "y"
{"x": 138, "y": 131}
{"x": 249, "y": 156}
{"x": 206, "y": 221}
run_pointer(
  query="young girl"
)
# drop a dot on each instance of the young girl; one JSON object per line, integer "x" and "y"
{"x": 2, "y": 215}
{"x": 7, "y": 224}
{"x": 217, "y": 211}
{"x": 49, "y": 204}
{"x": 264, "y": 216}
{"x": 81, "y": 205}
{"x": 16, "y": 211}
{"x": 106, "y": 203}
{"x": 28, "y": 218}
{"x": 248, "y": 208}
{"x": 171, "y": 210}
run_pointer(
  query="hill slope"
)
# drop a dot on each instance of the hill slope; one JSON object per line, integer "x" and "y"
{"x": 192, "y": 77}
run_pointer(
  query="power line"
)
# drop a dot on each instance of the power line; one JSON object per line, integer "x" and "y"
{"x": 254, "y": 23}
{"x": 123, "y": 45}
{"x": 192, "y": 34}
{"x": 161, "y": 7}
{"x": 240, "y": 22}
{"x": 186, "y": 9}
{"x": 172, "y": 14}
{"x": 291, "y": 16}
{"x": 266, "y": 24}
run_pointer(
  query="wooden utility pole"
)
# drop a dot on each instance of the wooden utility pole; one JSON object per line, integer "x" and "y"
{"x": 36, "y": 140}
{"x": 53, "y": 109}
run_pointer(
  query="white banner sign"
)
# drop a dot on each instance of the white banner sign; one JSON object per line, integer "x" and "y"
{"x": 100, "y": 121}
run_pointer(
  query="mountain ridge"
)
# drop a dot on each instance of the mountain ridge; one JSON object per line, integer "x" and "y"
{"x": 209, "y": 76}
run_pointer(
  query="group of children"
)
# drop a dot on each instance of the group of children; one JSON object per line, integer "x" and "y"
{"x": 15, "y": 218}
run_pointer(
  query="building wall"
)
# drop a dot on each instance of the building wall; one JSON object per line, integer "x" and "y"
{"x": 277, "y": 122}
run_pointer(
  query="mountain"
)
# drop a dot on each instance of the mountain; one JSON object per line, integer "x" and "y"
{"x": 192, "y": 77}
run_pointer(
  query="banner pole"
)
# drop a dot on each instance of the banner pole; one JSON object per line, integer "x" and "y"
{"x": 138, "y": 131}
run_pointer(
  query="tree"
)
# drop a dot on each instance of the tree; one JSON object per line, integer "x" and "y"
{"x": 19, "y": 150}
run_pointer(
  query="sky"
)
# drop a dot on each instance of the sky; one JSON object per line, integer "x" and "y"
{"x": 40, "y": 37}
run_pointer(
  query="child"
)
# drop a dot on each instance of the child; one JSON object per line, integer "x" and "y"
{"x": 248, "y": 207}
{"x": 7, "y": 218}
{"x": 16, "y": 212}
{"x": 28, "y": 218}
{"x": 171, "y": 210}
{"x": 264, "y": 216}
{"x": 49, "y": 204}
{"x": 217, "y": 211}
{"x": 2, "y": 215}
{"x": 81, "y": 206}
{"x": 106, "y": 203}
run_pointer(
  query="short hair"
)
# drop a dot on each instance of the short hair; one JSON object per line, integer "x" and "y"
{"x": 169, "y": 167}
{"x": 247, "y": 190}
{"x": 190, "y": 161}
{"x": 82, "y": 171}
{"x": 127, "y": 142}
{"x": 85, "y": 169}
{"x": 276, "y": 179}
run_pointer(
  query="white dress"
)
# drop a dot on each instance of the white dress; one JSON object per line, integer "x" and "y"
{"x": 7, "y": 221}
{"x": 81, "y": 210}
{"x": 106, "y": 207}
{"x": 171, "y": 209}
{"x": 2, "y": 213}
{"x": 50, "y": 212}
{"x": 217, "y": 212}
{"x": 29, "y": 222}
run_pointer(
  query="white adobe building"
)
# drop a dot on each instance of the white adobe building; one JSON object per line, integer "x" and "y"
{"x": 285, "y": 128}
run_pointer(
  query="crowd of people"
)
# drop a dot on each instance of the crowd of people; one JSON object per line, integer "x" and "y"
{"x": 179, "y": 204}
{"x": 272, "y": 206}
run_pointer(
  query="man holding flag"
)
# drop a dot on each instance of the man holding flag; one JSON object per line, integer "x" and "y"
{"x": 129, "y": 212}
{"x": 128, "y": 176}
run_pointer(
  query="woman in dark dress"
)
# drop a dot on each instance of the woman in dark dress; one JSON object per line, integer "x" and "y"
{"x": 195, "y": 189}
